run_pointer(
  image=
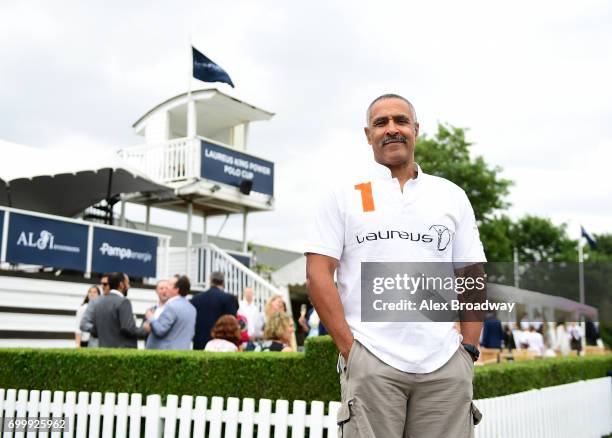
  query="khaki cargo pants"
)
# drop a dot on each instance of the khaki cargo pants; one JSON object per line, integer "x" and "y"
{"x": 379, "y": 401}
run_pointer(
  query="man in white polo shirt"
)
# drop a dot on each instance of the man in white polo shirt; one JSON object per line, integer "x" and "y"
{"x": 410, "y": 379}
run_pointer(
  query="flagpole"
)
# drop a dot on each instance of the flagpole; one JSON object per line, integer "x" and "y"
{"x": 581, "y": 288}
{"x": 581, "y": 270}
{"x": 189, "y": 129}
{"x": 516, "y": 267}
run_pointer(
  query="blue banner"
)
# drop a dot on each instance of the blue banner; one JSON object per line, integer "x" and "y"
{"x": 134, "y": 254}
{"x": 40, "y": 241}
{"x": 232, "y": 167}
{"x": 244, "y": 259}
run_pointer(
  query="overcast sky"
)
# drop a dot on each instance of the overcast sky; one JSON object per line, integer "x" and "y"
{"x": 531, "y": 81}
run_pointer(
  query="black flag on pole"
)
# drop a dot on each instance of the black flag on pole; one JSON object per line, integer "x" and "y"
{"x": 208, "y": 71}
{"x": 590, "y": 240}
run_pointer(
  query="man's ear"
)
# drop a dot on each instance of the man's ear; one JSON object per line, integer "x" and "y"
{"x": 416, "y": 131}
{"x": 366, "y": 130}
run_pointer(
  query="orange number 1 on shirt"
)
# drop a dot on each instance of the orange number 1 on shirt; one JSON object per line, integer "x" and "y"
{"x": 366, "y": 196}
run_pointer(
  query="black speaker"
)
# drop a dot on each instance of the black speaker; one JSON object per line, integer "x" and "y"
{"x": 245, "y": 186}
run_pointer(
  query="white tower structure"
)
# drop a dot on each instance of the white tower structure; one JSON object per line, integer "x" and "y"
{"x": 197, "y": 145}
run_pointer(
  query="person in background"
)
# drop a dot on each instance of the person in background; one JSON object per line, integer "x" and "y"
{"x": 225, "y": 335}
{"x": 210, "y": 306}
{"x": 104, "y": 284}
{"x": 492, "y": 332}
{"x": 509, "y": 338}
{"x": 113, "y": 318}
{"x": 274, "y": 305}
{"x": 575, "y": 333}
{"x": 86, "y": 324}
{"x": 82, "y": 338}
{"x": 173, "y": 329}
{"x": 562, "y": 339}
{"x": 311, "y": 323}
{"x": 592, "y": 333}
{"x": 162, "y": 291}
{"x": 254, "y": 318}
{"x": 535, "y": 341}
{"x": 278, "y": 333}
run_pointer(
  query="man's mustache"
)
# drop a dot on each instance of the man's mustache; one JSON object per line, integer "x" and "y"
{"x": 393, "y": 138}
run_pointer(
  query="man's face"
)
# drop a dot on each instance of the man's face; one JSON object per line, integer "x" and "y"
{"x": 162, "y": 291}
{"x": 105, "y": 286}
{"x": 173, "y": 290}
{"x": 392, "y": 132}
{"x": 126, "y": 285}
{"x": 248, "y": 295}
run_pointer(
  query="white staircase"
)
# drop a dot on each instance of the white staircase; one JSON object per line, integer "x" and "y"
{"x": 202, "y": 260}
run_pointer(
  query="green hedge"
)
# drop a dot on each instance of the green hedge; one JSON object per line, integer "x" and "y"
{"x": 290, "y": 376}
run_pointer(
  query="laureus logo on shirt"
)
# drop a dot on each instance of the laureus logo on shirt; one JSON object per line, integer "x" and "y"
{"x": 442, "y": 237}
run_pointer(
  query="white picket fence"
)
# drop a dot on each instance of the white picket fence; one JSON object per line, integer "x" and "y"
{"x": 575, "y": 410}
{"x": 582, "y": 409}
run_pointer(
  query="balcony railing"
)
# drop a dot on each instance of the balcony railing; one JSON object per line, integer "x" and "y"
{"x": 170, "y": 161}
{"x": 199, "y": 261}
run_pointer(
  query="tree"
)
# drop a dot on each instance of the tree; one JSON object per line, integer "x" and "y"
{"x": 539, "y": 240}
{"x": 495, "y": 235}
{"x": 603, "y": 252}
{"x": 447, "y": 154}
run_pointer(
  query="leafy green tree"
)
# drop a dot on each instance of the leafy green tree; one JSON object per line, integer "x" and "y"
{"x": 603, "y": 252}
{"x": 447, "y": 154}
{"x": 495, "y": 235}
{"x": 539, "y": 240}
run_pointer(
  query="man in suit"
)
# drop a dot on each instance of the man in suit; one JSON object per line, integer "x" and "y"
{"x": 113, "y": 318}
{"x": 174, "y": 327}
{"x": 210, "y": 306}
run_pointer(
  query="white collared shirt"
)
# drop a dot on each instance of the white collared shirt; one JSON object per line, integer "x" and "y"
{"x": 344, "y": 230}
{"x": 116, "y": 292}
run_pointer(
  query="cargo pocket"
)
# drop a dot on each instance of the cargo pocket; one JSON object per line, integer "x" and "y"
{"x": 476, "y": 414}
{"x": 344, "y": 416}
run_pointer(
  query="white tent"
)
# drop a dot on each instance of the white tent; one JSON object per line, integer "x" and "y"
{"x": 65, "y": 181}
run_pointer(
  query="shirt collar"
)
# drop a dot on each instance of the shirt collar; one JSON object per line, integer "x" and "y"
{"x": 116, "y": 292}
{"x": 378, "y": 171}
{"x": 173, "y": 298}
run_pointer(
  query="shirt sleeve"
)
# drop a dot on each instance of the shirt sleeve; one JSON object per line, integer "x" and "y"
{"x": 87, "y": 321}
{"x": 326, "y": 234}
{"x": 467, "y": 247}
{"x": 126, "y": 321}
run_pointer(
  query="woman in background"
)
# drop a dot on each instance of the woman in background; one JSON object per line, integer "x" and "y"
{"x": 278, "y": 332}
{"x": 226, "y": 336}
{"x": 81, "y": 338}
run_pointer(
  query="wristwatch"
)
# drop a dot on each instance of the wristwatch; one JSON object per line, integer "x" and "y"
{"x": 473, "y": 350}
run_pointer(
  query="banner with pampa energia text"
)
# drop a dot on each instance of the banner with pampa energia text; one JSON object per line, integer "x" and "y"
{"x": 114, "y": 250}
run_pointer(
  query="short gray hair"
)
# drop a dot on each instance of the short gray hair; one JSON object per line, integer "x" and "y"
{"x": 217, "y": 277}
{"x": 390, "y": 96}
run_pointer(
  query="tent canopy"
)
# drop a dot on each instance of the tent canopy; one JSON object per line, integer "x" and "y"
{"x": 65, "y": 181}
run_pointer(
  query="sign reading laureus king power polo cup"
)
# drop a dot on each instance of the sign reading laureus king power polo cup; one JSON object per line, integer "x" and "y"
{"x": 134, "y": 254}
{"x": 36, "y": 240}
{"x": 231, "y": 167}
